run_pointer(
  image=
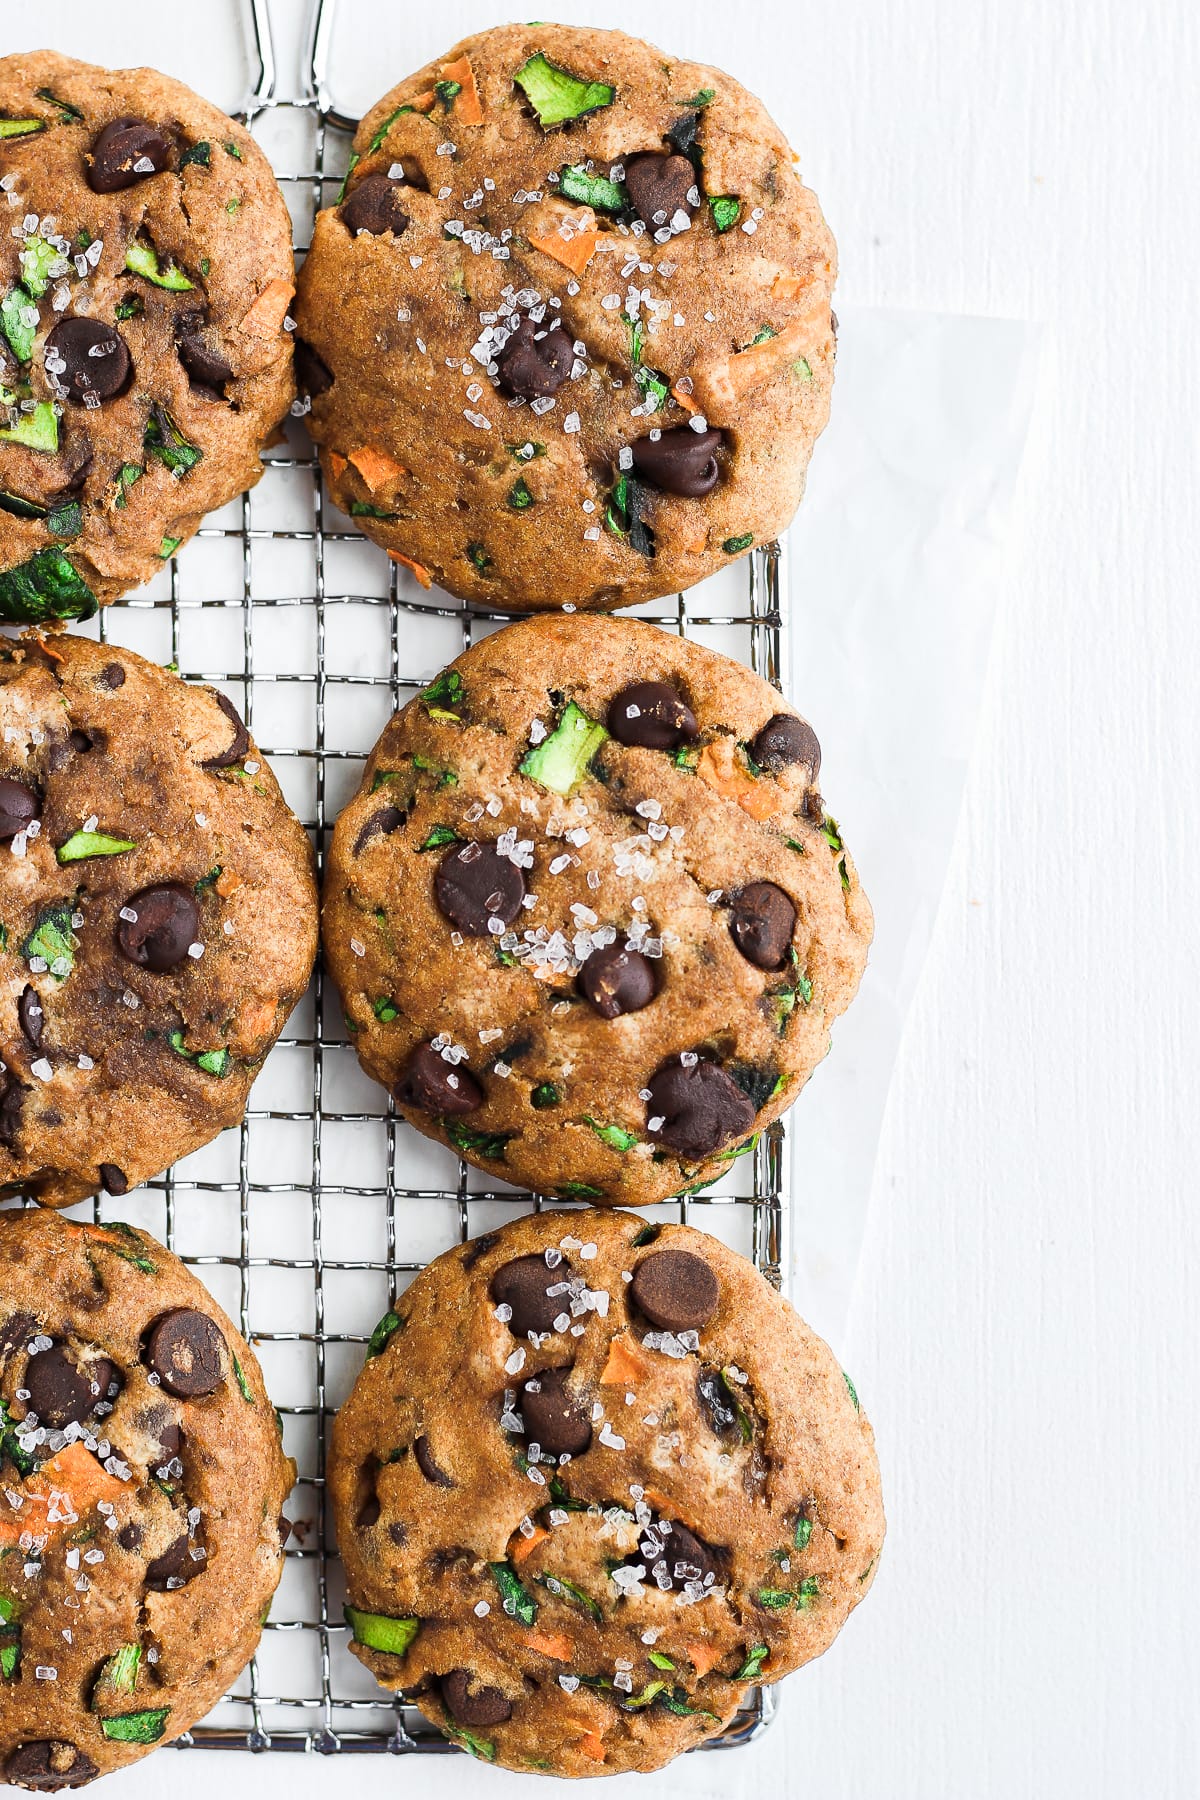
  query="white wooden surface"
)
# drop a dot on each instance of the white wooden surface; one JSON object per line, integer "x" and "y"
{"x": 1023, "y": 1332}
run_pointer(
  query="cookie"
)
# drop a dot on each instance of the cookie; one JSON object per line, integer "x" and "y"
{"x": 145, "y": 271}
{"x": 158, "y": 917}
{"x": 588, "y": 918}
{"x": 567, "y": 329}
{"x": 142, "y": 1479}
{"x": 595, "y": 1481}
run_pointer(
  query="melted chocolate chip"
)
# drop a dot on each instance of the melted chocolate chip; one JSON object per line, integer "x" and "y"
{"x": 761, "y": 922}
{"x": 686, "y": 1558}
{"x": 112, "y": 675}
{"x": 618, "y": 981}
{"x": 380, "y": 824}
{"x": 15, "y": 1332}
{"x": 428, "y": 1464}
{"x": 167, "y": 922}
{"x": 241, "y": 737}
{"x": 652, "y": 715}
{"x": 398, "y": 1533}
{"x": 18, "y": 805}
{"x": 206, "y": 367}
{"x": 46, "y": 1765}
{"x": 97, "y": 360}
{"x": 483, "y": 1706}
{"x": 785, "y": 740}
{"x": 62, "y": 1394}
{"x": 534, "y": 362}
{"x": 432, "y": 1085}
{"x": 163, "y": 1430}
{"x": 659, "y": 185}
{"x": 130, "y": 1536}
{"x": 555, "y": 1418}
{"x": 522, "y": 1285}
{"x": 699, "y": 1108}
{"x": 676, "y": 1290}
{"x": 174, "y": 1568}
{"x": 475, "y": 885}
{"x": 12, "y": 1102}
{"x": 113, "y": 1180}
{"x": 184, "y": 1349}
{"x": 31, "y": 1015}
{"x": 313, "y": 376}
{"x": 374, "y": 206}
{"x": 124, "y": 153}
{"x": 681, "y": 461}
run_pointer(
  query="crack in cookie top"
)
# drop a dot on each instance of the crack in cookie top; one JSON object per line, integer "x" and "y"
{"x": 567, "y": 329}
{"x": 145, "y": 271}
{"x": 595, "y": 1480}
{"x": 157, "y": 917}
{"x": 141, "y": 1485}
{"x": 588, "y": 917}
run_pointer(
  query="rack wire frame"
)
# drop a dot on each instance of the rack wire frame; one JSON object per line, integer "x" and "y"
{"x": 335, "y": 1708}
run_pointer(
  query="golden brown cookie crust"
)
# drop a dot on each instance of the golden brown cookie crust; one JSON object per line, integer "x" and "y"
{"x": 94, "y": 1514}
{"x": 741, "y": 1429}
{"x": 497, "y": 502}
{"x": 103, "y": 1081}
{"x": 215, "y": 217}
{"x": 661, "y": 844}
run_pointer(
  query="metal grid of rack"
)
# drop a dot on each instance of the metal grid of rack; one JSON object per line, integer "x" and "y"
{"x": 308, "y": 1219}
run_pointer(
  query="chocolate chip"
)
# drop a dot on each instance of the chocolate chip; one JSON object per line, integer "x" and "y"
{"x": 652, "y": 715}
{"x": 130, "y": 1537}
{"x": 475, "y": 885}
{"x": 522, "y": 1285}
{"x": 428, "y": 1465}
{"x": 716, "y": 1403}
{"x": 618, "y": 981}
{"x": 62, "y": 1394}
{"x": 373, "y": 205}
{"x": 534, "y": 362}
{"x": 113, "y": 1180}
{"x": 183, "y": 1348}
{"x": 174, "y": 1568}
{"x": 432, "y": 1085}
{"x": 478, "y": 1247}
{"x": 686, "y": 1558}
{"x": 761, "y": 922}
{"x": 112, "y": 675}
{"x": 163, "y": 1430}
{"x": 167, "y": 922}
{"x": 285, "y": 1530}
{"x": 784, "y": 740}
{"x": 12, "y": 1102}
{"x": 241, "y": 737}
{"x": 96, "y": 356}
{"x": 206, "y": 367}
{"x": 18, "y": 805}
{"x": 681, "y": 461}
{"x": 699, "y": 1108}
{"x": 659, "y": 185}
{"x": 380, "y": 824}
{"x": 313, "y": 375}
{"x": 485, "y": 1706}
{"x": 676, "y": 1290}
{"x": 15, "y": 1332}
{"x": 398, "y": 1533}
{"x": 555, "y": 1418}
{"x": 119, "y": 153}
{"x": 47, "y": 1765}
{"x": 31, "y": 1016}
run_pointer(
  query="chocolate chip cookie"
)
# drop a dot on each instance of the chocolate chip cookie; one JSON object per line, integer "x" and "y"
{"x": 588, "y": 917}
{"x": 141, "y": 1485}
{"x": 567, "y": 328}
{"x": 158, "y": 917}
{"x": 595, "y": 1481}
{"x": 145, "y": 271}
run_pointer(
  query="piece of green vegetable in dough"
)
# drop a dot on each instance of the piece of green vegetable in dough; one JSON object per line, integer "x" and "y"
{"x": 560, "y": 761}
{"x": 383, "y": 1333}
{"x": 439, "y": 836}
{"x": 482, "y": 1748}
{"x": 52, "y": 941}
{"x": 519, "y": 497}
{"x": 142, "y": 258}
{"x": 10, "y": 1655}
{"x": 18, "y": 328}
{"x": 37, "y": 430}
{"x": 38, "y": 258}
{"x": 17, "y": 128}
{"x": 213, "y": 1062}
{"x": 45, "y": 587}
{"x": 518, "y": 1602}
{"x": 82, "y": 844}
{"x": 752, "y": 1668}
{"x": 593, "y": 190}
{"x": 491, "y": 1145}
{"x": 544, "y": 1095}
{"x": 118, "y": 1676}
{"x": 445, "y": 698}
{"x": 615, "y": 1136}
{"x": 724, "y": 209}
{"x": 166, "y": 443}
{"x": 556, "y": 95}
{"x": 66, "y": 521}
{"x": 137, "y": 1728}
{"x": 376, "y": 1631}
{"x": 734, "y": 545}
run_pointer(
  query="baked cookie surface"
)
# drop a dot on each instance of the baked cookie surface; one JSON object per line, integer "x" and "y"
{"x": 141, "y": 1485}
{"x": 568, "y": 333}
{"x": 588, "y": 918}
{"x": 596, "y": 1480}
{"x": 143, "y": 358}
{"x": 158, "y": 910}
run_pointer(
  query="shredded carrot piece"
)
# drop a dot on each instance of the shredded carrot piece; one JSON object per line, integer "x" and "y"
{"x": 702, "y": 1657}
{"x": 575, "y": 252}
{"x": 467, "y": 107}
{"x": 376, "y": 467}
{"x": 68, "y": 1487}
{"x": 419, "y": 570}
{"x": 521, "y": 1545}
{"x": 254, "y": 1018}
{"x": 227, "y": 882}
{"x": 592, "y": 1744}
{"x": 685, "y": 400}
{"x": 555, "y": 1644}
{"x": 718, "y": 768}
{"x": 337, "y": 465}
{"x": 786, "y": 287}
{"x": 424, "y": 102}
{"x": 724, "y": 381}
{"x": 45, "y": 647}
{"x": 266, "y": 316}
{"x": 623, "y": 1366}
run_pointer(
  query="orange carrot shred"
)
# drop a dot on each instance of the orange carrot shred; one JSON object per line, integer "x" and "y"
{"x": 592, "y": 1744}
{"x": 522, "y": 1545}
{"x": 685, "y": 400}
{"x": 419, "y": 570}
{"x": 718, "y": 769}
{"x": 266, "y": 315}
{"x": 68, "y": 1487}
{"x": 702, "y": 1657}
{"x": 623, "y": 1365}
{"x": 376, "y": 467}
{"x": 337, "y": 465}
{"x": 467, "y": 107}
{"x": 574, "y": 253}
{"x": 555, "y": 1644}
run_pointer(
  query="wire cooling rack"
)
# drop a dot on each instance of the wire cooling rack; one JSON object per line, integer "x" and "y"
{"x": 310, "y": 1217}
